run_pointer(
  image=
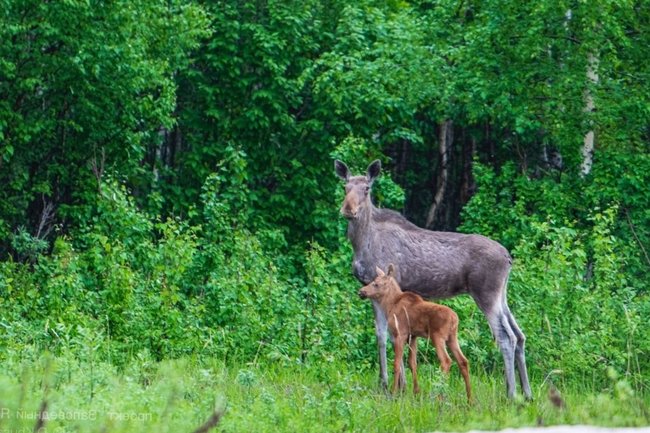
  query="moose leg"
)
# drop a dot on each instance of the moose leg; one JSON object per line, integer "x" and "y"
{"x": 491, "y": 299}
{"x": 381, "y": 331}
{"x": 506, "y": 341}
{"x": 520, "y": 355}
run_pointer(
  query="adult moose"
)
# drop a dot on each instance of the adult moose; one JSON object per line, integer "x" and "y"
{"x": 432, "y": 264}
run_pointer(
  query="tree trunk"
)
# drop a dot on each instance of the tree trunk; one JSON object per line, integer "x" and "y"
{"x": 588, "y": 145}
{"x": 446, "y": 138}
{"x": 592, "y": 78}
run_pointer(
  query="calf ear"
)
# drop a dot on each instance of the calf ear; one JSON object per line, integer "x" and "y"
{"x": 391, "y": 270}
{"x": 342, "y": 170}
{"x": 373, "y": 170}
{"x": 380, "y": 273}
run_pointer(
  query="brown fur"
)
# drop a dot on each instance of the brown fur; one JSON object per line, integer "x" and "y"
{"x": 409, "y": 316}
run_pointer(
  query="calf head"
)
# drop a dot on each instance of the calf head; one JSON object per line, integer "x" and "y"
{"x": 381, "y": 285}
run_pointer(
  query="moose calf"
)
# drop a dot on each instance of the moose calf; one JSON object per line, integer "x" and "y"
{"x": 409, "y": 317}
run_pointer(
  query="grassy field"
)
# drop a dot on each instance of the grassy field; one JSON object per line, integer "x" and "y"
{"x": 178, "y": 396}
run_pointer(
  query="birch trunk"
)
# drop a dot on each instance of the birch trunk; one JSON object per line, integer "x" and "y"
{"x": 588, "y": 144}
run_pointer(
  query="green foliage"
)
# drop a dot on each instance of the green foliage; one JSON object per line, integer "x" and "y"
{"x": 84, "y": 89}
{"x": 335, "y": 320}
{"x": 168, "y": 288}
{"x": 571, "y": 286}
{"x": 363, "y": 79}
{"x": 168, "y": 187}
{"x": 180, "y": 395}
{"x": 28, "y": 247}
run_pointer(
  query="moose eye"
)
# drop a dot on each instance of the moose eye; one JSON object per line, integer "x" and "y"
{"x": 367, "y": 189}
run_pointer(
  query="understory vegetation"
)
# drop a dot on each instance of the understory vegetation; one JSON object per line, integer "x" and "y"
{"x": 169, "y": 211}
{"x": 181, "y": 395}
{"x": 131, "y": 284}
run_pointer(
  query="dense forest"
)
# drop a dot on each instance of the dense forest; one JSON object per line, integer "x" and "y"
{"x": 168, "y": 186}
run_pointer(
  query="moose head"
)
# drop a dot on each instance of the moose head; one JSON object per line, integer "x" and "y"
{"x": 357, "y": 188}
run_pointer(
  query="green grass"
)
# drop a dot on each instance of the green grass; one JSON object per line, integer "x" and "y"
{"x": 178, "y": 396}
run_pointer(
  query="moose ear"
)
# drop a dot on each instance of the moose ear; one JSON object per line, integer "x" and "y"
{"x": 380, "y": 273}
{"x": 391, "y": 270}
{"x": 342, "y": 170}
{"x": 373, "y": 170}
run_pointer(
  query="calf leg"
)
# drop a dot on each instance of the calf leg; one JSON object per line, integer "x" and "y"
{"x": 443, "y": 356}
{"x": 413, "y": 365}
{"x": 441, "y": 351}
{"x": 398, "y": 346}
{"x": 462, "y": 363}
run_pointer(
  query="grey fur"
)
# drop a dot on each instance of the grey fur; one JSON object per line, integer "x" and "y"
{"x": 433, "y": 264}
